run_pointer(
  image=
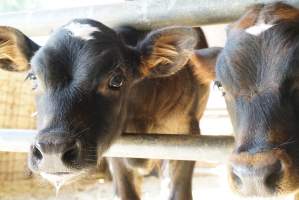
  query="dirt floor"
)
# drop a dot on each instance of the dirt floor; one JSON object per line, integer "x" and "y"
{"x": 208, "y": 184}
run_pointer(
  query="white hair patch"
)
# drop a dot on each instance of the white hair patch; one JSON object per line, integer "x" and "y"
{"x": 82, "y": 31}
{"x": 116, "y": 198}
{"x": 165, "y": 182}
{"x": 257, "y": 29}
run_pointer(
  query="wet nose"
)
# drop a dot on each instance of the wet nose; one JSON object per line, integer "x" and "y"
{"x": 258, "y": 177}
{"x": 54, "y": 154}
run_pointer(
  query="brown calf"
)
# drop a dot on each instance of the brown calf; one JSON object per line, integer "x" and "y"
{"x": 258, "y": 73}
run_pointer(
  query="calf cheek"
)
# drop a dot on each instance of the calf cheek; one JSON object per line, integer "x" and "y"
{"x": 110, "y": 119}
{"x": 42, "y": 114}
{"x": 232, "y": 111}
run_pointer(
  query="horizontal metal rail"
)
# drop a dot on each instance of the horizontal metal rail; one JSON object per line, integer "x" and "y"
{"x": 154, "y": 146}
{"x": 144, "y": 14}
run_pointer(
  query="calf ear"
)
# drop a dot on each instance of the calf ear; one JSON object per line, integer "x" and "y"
{"x": 16, "y": 49}
{"x": 204, "y": 62}
{"x": 166, "y": 51}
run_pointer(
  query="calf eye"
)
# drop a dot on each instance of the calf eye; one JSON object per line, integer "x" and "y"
{"x": 116, "y": 81}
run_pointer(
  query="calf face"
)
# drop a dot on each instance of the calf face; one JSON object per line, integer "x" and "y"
{"x": 82, "y": 77}
{"x": 258, "y": 71}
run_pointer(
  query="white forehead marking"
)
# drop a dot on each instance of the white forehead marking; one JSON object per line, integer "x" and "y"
{"x": 82, "y": 31}
{"x": 258, "y": 28}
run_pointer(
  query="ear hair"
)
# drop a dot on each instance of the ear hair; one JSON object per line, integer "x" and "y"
{"x": 162, "y": 54}
{"x": 12, "y": 56}
{"x": 15, "y": 49}
{"x": 165, "y": 51}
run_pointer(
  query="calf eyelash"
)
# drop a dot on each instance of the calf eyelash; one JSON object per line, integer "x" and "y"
{"x": 31, "y": 76}
{"x": 219, "y": 86}
{"x": 34, "y": 114}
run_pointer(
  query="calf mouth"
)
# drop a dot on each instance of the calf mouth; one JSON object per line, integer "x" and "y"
{"x": 58, "y": 179}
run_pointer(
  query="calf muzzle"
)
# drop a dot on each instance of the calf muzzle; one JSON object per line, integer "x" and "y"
{"x": 258, "y": 174}
{"x": 55, "y": 154}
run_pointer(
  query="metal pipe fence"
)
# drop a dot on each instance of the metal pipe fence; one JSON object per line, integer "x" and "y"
{"x": 145, "y": 14}
{"x": 153, "y": 146}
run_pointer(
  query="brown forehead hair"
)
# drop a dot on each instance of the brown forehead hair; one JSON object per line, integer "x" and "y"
{"x": 251, "y": 64}
{"x": 260, "y": 75}
{"x": 269, "y": 14}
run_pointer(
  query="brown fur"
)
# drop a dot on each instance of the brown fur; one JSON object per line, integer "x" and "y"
{"x": 162, "y": 53}
{"x": 258, "y": 73}
{"x": 279, "y": 12}
{"x": 9, "y": 49}
{"x": 167, "y": 105}
{"x": 167, "y": 49}
{"x": 248, "y": 19}
{"x": 269, "y": 14}
{"x": 203, "y": 62}
{"x": 261, "y": 159}
{"x": 202, "y": 73}
{"x": 165, "y": 98}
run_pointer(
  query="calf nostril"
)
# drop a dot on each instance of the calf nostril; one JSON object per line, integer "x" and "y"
{"x": 236, "y": 179}
{"x": 36, "y": 153}
{"x": 71, "y": 154}
{"x": 272, "y": 179}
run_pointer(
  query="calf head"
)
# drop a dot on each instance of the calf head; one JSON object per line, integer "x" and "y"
{"x": 258, "y": 70}
{"x": 82, "y": 77}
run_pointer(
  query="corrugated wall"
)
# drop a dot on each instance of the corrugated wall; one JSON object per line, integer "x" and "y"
{"x": 16, "y": 108}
